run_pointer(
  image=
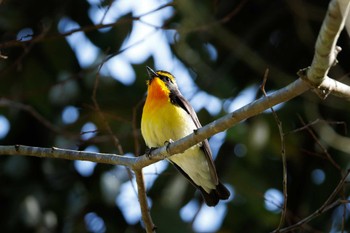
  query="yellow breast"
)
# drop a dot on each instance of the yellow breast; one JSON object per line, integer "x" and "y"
{"x": 162, "y": 120}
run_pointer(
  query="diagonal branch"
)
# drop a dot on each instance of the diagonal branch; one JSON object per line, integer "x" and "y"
{"x": 294, "y": 89}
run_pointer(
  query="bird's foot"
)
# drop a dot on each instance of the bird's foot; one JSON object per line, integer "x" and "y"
{"x": 148, "y": 151}
{"x": 167, "y": 144}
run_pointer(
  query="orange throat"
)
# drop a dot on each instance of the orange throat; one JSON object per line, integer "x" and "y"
{"x": 158, "y": 94}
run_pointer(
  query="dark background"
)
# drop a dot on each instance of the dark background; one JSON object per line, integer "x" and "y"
{"x": 48, "y": 195}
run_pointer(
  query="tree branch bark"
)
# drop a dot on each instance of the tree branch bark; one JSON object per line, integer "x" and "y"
{"x": 326, "y": 49}
{"x": 294, "y": 89}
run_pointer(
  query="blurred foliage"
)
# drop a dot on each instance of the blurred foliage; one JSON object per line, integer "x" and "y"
{"x": 47, "y": 195}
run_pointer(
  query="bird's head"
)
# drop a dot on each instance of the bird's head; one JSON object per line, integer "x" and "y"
{"x": 161, "y": 81}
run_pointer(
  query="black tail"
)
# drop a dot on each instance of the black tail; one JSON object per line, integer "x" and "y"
{"x": 212, "y": 198}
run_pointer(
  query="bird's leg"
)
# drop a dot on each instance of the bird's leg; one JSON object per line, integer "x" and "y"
{"x": 149, "y": 150}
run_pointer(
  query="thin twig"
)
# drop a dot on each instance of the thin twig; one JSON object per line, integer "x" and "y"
{"x": 324, "y": 150}
{"x": 327, "y": 205}
{"x": 312, "y": 123}
{"x": 146, "y": 36}
{"x": 106, "y": 11}
{"x": 115, "y": 140}
{"x": 138, "y": 172}
{"x": 101, "y": 115}
{"x": 4, "y": 102}
{"x": 235, "y": 11}
{"x": 283, "y": 154}
{"x": 88, "y": 28}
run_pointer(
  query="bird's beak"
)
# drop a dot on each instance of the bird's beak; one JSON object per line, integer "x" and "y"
{"x": 151, "y": 73}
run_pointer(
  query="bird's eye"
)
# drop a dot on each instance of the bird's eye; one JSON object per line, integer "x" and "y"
{"x": 165, "y": 78}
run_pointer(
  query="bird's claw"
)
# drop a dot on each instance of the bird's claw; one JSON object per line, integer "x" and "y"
{"x": 148, "y": 151}
{"x": 167, "y": 144}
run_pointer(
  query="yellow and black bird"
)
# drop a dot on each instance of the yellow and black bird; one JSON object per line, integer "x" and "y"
{"x": 166, "y": 116}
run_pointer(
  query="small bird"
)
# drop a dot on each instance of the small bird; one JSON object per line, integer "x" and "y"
{"x": 168, "y": 116}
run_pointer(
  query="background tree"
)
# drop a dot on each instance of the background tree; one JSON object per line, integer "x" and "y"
{"x": 61, "y": 53}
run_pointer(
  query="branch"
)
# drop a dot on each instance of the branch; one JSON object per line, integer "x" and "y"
{"x": 327, "y": 205}
{"x": 29, "y": 109}
{"x": 284, "y": 159}
{"x": 326, "y": 50}
{"x": 141, "y": 192}
{"x": 256, "y": 107}
{"x": 58, "y": 153}
{"x": 88, "y": 28}
{"x": 294, "y": 89}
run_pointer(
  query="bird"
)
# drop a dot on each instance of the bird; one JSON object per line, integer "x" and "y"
{"x": 167, "y": 116}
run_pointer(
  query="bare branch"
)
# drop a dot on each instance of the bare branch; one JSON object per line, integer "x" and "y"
{"x": 88, "y": 28}
{"x": 327, "y": 205}
{"x": 325, "y": 152}
{"x": 292, "y": 90}
{"x": 331, "y": 86}
{"x": 326, "y": 50}
{"x": 67, "y": 154}
{"x": 29, "y": 109}
{"x": 101, "y": 115}
{"x": 283, "y": 154}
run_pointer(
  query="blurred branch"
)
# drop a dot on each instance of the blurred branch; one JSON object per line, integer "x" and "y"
{"x": 332, "y": 138}
{"x": 141, "y": 191}
{"x": 101, "y": 115}
{"x": 327, "y": 205}
{"x": 4, "y": 102}
{"x": 3, "y": 56}
{"x": 323, "y": 149}
{"x": 88, "y": 28}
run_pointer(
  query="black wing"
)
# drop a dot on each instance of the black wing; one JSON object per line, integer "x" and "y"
{"x": 177, "y": 98}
